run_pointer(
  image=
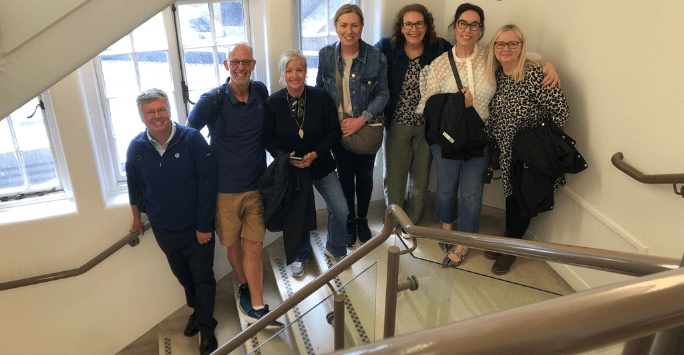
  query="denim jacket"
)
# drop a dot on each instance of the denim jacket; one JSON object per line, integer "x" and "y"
{"x": 368, "y": 82}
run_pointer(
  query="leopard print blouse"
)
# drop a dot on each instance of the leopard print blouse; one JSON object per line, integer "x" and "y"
{"x": 405, "y": 113}
{"x": 516, "y": 106}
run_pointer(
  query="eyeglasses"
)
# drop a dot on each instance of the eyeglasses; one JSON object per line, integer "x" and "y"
{"x": 245, "y": 63}
{"x": 462, "y": 24}
{"x": 161, "y": 111}
{"x": 502, "y": 45}
{"x": 408, "y": 25}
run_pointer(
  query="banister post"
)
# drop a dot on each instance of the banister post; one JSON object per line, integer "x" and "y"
{"x": 339, "y": 321}
{"x": 391, "y": 290}
{"x": 638, "y": 346}
{"x": 670, "y": 341}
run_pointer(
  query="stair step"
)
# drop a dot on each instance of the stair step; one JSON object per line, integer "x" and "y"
{"x": 277, "y": 341}
{"x": 171, "y": 338}
{"x": 360, "y": 289}
{"x": 313, "y": 335}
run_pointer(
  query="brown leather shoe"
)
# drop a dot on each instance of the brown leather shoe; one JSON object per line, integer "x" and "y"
{"x": 503, "y": 264}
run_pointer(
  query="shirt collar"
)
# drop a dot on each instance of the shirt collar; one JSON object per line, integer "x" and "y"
{"x": 156, "y": 144}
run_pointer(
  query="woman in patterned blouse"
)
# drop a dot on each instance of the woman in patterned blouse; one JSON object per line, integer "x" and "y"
{"x": 520, "y": 102}
{"x": 413, "y": 45}
{"x": 463, "y": 175}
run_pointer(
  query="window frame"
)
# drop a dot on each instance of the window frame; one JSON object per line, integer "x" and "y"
{"x": 63, "y": 189}
{"x": 114, "y": 184}
{"x": 298, "y": 20}
{"x": 215, "y": 52}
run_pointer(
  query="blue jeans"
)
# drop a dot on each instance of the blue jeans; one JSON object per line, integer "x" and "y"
{"x": 329, "y": 187}
{"x": 466, "y": 176}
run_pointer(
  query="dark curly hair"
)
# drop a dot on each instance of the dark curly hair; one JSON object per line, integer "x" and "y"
{"x": 466, "y": 7}
{"x": 430, "y": 34}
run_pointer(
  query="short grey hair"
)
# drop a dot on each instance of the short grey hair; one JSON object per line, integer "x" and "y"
{"x": 150, "y": 95}
{"x": 286, "y": 58}
{"x": 232, "y": 47}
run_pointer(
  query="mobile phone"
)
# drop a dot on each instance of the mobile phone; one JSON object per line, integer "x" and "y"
{"x": 296, "y": 158}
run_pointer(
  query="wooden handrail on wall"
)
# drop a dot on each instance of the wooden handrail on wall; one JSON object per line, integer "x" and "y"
{"x": 131, "y": 239}
{"x": 637, "y": 175}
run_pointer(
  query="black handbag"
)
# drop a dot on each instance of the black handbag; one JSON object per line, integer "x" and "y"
{"x": 368, "y": 139}
{"x": 457, "y": 129}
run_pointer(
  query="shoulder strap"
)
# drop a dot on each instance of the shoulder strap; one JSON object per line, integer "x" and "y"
{"x": 139, "y": 152}
{"x": 261, "y": 89}
{"x": 453, "y": 68}
{"x": 218, "y": 103}
{"x": 338, "y": 80}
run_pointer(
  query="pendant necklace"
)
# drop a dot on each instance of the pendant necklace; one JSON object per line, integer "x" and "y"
{"x": 298, "y": 110}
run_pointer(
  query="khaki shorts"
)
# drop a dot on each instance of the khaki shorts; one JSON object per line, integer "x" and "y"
{"x": 240, "y": 215}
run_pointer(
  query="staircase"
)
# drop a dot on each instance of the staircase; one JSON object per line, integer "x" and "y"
{"x": 444, "y": 296}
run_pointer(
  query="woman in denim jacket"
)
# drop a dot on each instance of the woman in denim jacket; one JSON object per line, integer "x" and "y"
{"x": 363, "y": 69}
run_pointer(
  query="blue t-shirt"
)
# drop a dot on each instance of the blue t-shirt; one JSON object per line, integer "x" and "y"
{"x": 235, "y": 137}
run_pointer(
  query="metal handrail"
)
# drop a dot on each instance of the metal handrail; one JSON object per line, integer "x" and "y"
{"x": 565, "y": 325}
{"x": 131, "y": 239}
{"x": 620, "y": 262}
{"x": 637, "y": 175}
{"x": 321, "y": 281}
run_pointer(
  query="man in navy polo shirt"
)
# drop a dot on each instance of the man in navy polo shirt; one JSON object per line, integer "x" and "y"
{"x": 235, "y": 127}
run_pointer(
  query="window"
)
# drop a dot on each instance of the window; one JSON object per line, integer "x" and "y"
{"x": 317, "y": 30}
{"x": 183, "y": 44}
{"x": 29, "y": 166}
{"x": 206, "y": 32}
{"x": 135, "y": 63}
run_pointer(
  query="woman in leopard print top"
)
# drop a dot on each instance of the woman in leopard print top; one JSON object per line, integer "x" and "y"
{"x": 463, "y": 175}
{"x": 520, "y": 102}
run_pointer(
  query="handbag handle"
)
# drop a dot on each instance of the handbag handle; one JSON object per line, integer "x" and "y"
{"x": 453, "y": 68}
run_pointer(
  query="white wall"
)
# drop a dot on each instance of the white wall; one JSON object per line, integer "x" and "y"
{"x": 619, "y": 62}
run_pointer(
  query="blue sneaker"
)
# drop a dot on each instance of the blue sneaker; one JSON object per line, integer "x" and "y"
{"x": 255, "y": 315}
{"x": 245, "y": 299}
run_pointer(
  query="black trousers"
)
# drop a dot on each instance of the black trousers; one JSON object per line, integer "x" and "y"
{"x": 516, "y": 224}
{"x": 351, "y": 166}
{"x": 193, "y": 265}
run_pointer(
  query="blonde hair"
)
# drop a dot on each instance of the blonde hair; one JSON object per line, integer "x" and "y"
{"x": 493, "y": 64}
{"x": 348, "y": 8}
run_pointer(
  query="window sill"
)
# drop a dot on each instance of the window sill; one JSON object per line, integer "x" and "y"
{"x": 29, "y": 210}
{"x": 117, "y": 199}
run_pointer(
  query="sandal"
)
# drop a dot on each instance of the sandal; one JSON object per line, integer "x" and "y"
{"x": 445, "y": 247}
{"x": 447, "y": 262}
